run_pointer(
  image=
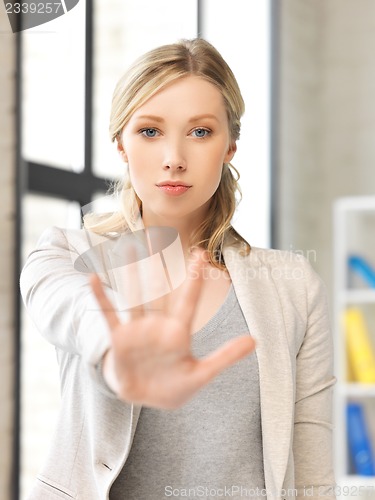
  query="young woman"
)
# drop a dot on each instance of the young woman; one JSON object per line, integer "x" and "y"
{"x": 215, "y": 377}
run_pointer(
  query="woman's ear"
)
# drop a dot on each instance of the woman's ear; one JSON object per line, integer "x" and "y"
{"x": 121, "y": 152}
{"x": 230, "y": 153}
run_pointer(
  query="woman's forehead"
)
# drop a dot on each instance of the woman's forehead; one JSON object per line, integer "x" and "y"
{"x": 192, "y": 94}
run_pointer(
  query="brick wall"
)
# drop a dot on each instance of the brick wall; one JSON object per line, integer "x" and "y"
{"x": 7, "y": 142}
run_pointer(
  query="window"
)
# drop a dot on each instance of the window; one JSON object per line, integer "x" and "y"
{"x": 68, "y": 71}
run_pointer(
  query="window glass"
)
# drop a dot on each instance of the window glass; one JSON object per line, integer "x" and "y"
{"x": 242, "y": 35}
{"x": 53, "y": 81}
{"x": 40, "y": 393}
{"x": 123, "y": 31}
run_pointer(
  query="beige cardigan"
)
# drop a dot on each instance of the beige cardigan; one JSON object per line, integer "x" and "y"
{"x": 284, "y": 304}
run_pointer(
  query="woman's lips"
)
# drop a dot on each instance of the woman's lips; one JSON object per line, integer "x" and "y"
{"x": 174, "y": 190}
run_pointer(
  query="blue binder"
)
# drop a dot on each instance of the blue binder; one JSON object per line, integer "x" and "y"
{"x": 360, "y": 266}
{"x": 359, "y": 442}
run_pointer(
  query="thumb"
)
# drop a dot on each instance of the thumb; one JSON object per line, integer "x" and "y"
{"x": 232, "y": 351}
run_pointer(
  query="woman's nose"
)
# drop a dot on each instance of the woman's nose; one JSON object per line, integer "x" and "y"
{"x": 174, "y": 157}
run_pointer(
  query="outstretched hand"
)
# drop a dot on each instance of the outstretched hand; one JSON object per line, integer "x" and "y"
{"x": 150, "y": 361}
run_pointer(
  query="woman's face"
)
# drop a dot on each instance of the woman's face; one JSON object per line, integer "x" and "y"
{"x": 180, "y": 134}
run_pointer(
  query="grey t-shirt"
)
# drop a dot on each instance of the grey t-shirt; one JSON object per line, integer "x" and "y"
{"x": 210, "y": 447}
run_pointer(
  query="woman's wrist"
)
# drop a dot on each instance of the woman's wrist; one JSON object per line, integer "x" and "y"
{"x": 109, "y": 374}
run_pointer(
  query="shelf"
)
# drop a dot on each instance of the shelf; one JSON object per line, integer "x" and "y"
{"x": 353, "y": 229}
{"x": 357, "y": 481}
{"x": 365, "y": 296}
{"x": 355, "y": 203}
{"x": 357, "y": 389}
{"x": 355, "y": 487}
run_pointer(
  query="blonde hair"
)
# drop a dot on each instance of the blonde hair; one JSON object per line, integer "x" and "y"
{"x": 148, "y": 75}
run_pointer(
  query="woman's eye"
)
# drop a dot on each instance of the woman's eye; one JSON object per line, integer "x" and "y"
{"x": 201, "y": 132}
{"x": 149, "y": 132}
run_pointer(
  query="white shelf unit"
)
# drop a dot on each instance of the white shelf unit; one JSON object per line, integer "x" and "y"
{"x": 354, "y": 232}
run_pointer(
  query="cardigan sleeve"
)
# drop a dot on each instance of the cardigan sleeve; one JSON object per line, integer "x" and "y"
{"x": 313, "y": 426}
{"x": 60, "y": 302}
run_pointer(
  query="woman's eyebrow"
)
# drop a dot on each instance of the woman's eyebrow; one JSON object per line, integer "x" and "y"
{"x": 191, "y": 120}
{"x": 150, "y": 117}
{"x": 199, "y": 117}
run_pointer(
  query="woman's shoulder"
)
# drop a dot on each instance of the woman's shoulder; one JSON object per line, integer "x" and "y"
{"x": 284, "y": 266}
{"x": 73, "y": 238}
{"x": 272, "y": 256}
{"x": 291, "y": 272}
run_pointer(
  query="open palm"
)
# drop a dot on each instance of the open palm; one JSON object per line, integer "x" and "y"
{"x": 150, "y": 361}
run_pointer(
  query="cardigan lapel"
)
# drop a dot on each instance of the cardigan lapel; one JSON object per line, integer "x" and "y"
{"x": 258, "y": 299}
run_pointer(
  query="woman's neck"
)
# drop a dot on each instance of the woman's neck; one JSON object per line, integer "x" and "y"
{"x": 184, "y": 226}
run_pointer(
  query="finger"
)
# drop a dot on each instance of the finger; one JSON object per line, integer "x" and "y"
{"x": 132, "y": 283}
{"x": 104, "y": 303}
{"x": 187, "y": 302}
{"x": 222, "y": 358}
{"x": 156, "y": 285}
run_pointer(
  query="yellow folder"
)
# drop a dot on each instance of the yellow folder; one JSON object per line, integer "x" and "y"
{"x": 360, "y": 353}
